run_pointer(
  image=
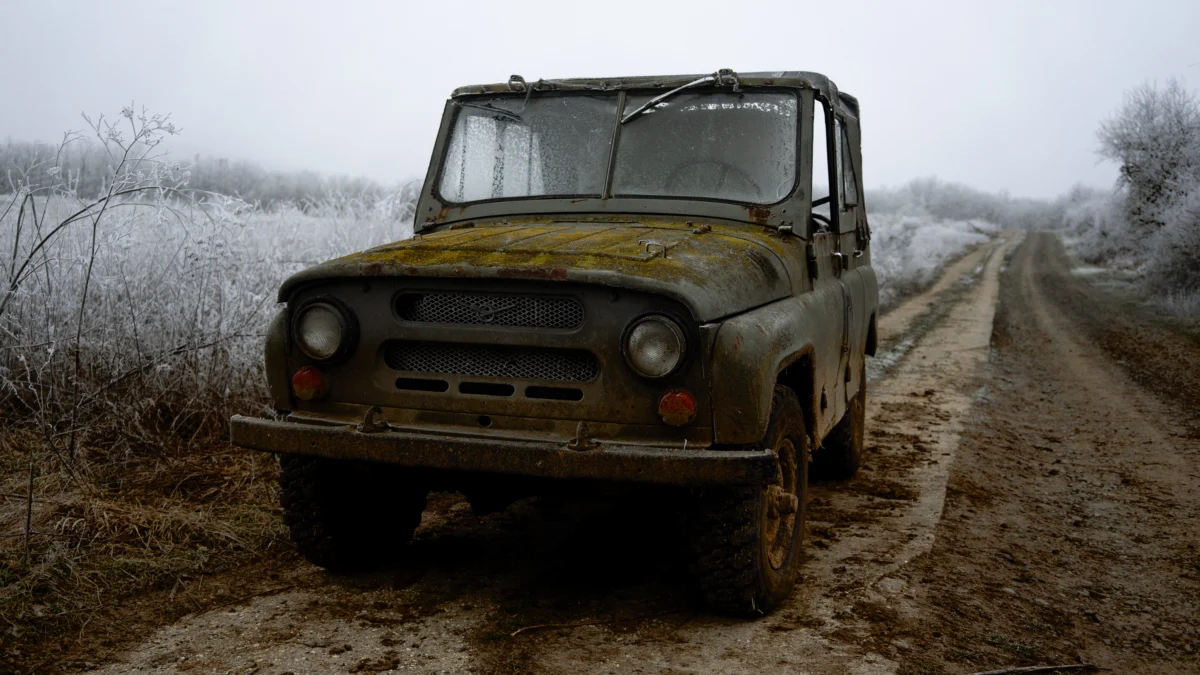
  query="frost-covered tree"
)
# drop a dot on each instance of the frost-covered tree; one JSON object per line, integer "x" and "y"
{"x": 1153, "y": 220}
{"x": 1174, "y": 264}
{"x": 1155, "y": 138}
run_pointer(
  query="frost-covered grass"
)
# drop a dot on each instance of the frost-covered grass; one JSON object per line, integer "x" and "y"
{"x": 176, "y": 304}
{"x": 908, "y": 251}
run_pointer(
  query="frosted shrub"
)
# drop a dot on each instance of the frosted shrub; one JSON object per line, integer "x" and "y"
{"x": 177, "y": 305}
{"x": 1155, "y": 138}
{"x": 1154, "y": 221}
{"x": 907, "y": 251}
{"x": 1101, "y": 230}
{"x": 145, "y": 313}
{"x": 952, "y": 202}
{"x": 1173, "y": 266}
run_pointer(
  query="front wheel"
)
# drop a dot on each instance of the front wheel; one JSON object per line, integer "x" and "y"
{"x": 348, "y": 516}
{"x": 748, "y": 542}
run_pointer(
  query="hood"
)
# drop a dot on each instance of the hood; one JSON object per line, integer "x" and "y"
{"x": 714, "y": 272}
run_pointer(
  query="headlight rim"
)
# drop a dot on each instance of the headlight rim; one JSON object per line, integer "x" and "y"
{"x": 674, "y": 324}
{"x": 349, "y": 328}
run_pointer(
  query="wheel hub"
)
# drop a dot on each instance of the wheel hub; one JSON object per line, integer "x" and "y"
{"x": 782, "y": 505}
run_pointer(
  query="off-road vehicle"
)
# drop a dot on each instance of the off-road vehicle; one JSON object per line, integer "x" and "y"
{"x": 611, "y": 281}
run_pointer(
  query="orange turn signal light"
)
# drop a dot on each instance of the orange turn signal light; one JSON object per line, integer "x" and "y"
{"x": 677, "y": 407}
{"x": 308, "y": 384}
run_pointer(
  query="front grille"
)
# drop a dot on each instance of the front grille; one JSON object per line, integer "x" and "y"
{"x": 524, "y": 311}
{"x": 560, "y": 365}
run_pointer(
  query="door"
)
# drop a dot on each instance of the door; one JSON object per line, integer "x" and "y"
{"x": 850, "y": 220}
{"x": 829, "y": 292}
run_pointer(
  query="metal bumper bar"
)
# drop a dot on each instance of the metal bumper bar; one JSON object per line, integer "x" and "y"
{"x": 668, "y": 466}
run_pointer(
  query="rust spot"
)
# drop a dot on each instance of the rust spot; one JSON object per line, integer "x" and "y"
{"x": 555, "y": 273}
{"x": 759, "y": 214}
{"x": 373, "y": 270}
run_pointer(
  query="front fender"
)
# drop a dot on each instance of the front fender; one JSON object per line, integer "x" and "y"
{"x": 275, "y": 352}
{"x": 752, "y": 349}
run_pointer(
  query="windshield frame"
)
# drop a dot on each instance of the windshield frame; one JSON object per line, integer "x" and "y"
{"x": 475, "y": 102}
{"x": 433, "y": 213}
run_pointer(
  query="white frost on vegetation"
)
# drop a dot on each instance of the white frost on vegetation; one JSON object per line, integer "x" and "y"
{"x": 921, "y": 225}
{"x": 1149, "y": 225}
{"x": 179, "y": 298}
{"x": 908, "y": 251}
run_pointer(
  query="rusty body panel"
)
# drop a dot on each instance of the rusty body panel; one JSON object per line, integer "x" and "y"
{"x": 760, "y": 294}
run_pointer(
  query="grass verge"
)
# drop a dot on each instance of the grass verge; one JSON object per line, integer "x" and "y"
{"x": 119, "y": 532}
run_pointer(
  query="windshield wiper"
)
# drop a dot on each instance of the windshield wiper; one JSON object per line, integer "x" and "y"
{"x": 491, "y": 108}
{"x": 718, "y": 77}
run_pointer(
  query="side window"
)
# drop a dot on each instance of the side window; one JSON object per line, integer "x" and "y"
{"x": 848, "y": 184}
{"x": 820, "y": 168}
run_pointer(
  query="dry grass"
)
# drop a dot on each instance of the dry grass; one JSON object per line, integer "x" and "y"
{"x": 127, "y": 520}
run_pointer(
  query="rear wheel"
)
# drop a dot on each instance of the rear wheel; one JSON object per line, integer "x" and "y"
{"x": 348, "y": 516}
{"x": 748, "y": 542}
{"x": 841, "y": 452}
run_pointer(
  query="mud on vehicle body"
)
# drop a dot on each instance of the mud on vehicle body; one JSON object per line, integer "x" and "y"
{"x": 618, "y": 281}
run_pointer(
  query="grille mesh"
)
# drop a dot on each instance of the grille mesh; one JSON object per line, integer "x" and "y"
{"x": 495, "y": 310}
{"x": 491, "y": 361}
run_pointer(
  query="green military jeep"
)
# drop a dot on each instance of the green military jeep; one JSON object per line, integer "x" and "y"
{"x": 637, "y": 281}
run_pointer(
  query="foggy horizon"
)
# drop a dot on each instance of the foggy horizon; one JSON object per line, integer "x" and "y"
{"x": 997, "y": 98}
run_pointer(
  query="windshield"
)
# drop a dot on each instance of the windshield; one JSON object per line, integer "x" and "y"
{"x": 552, "y": 146}
{"x": 704, "y": 145}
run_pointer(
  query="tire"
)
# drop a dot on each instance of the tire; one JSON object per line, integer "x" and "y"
{"x": 348, "y": 516}
{"x": 747, "y": 549}
{"x": 841, "y": 452}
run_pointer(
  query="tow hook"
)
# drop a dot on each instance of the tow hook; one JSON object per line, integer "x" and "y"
{"x": 581, "y": 442}
{"x": 371, "y": 425}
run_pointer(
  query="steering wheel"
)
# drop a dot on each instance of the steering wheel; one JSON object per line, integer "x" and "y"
{"x": 724, "y": 169}
{"x": 821, "y": 218}
{"x": 822, "y": 201}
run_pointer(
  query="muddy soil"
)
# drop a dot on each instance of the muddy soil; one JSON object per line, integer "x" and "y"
{"x": 1025, "y": 500}
{"x": 1070, "y": 527}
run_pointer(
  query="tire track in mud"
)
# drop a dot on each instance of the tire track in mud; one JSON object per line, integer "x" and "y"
{"x": 1069, "y": 532}
{"x": 603, "y": 587}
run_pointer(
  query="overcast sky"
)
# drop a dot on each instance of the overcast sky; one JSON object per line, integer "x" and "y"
{"x": 998, "y": 95}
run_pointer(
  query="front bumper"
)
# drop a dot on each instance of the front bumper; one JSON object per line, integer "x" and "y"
{"x": 540, "y": 459}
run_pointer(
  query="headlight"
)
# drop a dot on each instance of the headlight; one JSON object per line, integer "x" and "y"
{"x": 655, "y": 347}
{"x": 321, "y": 331}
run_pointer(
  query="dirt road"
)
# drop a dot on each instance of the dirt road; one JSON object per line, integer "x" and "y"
{"x": 1024, "y": 501}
